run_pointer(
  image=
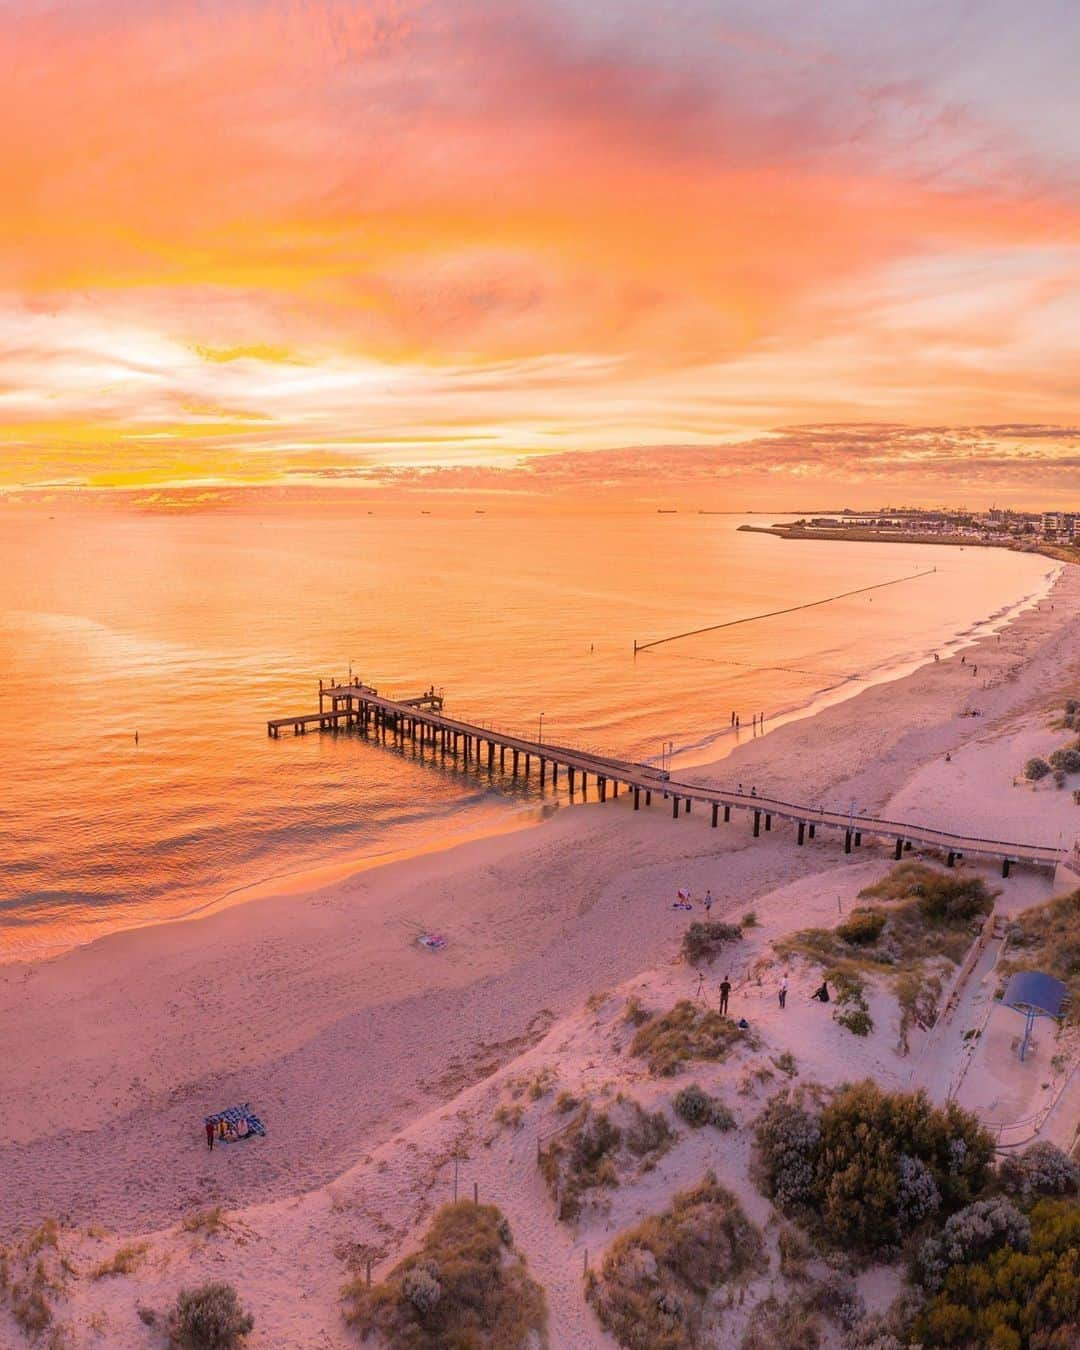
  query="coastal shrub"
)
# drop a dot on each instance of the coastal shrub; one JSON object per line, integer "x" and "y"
{"x": 697, "y": 1108}
{"x": 634, "y": 1013}
{"x": 703, "y": 941}
{"x": 837, "y": 1298}
{"x": 689, "y": 1031}
{"x": 867, "y": 1165}
{"x": 862, "y": 926}
{"x": 598, "y": 1147}
{"x": 794, "y": 1250}
{"x": 467, "y": 1286}
{"x": 789, "y": 1323}
{"x": 30, "y": 1309}
{"x": 917, "y": 1194}
{"x": 917, "y": 995}
{"x": 852, "y": 1010}
{"x": 749, "y": 919}
{"x": 654, "y": 1282}
{"x": 1013, "y": 1299}
{"x": 124, "y": 1261}
{"x": 209, "y": 1318}
{"x": 1036, "y": 768}
{"x": 580, "y": 1159}
{"x": 788, "y": 1134}
{"x": 1047, "y": 937}
{"x": 942, "y": 895}
{"x": 971, "y": 1235}
{"x": 1042, "y": 1169}
{"x": 1067, "y": 760}
{"x": 648, "y": 1132}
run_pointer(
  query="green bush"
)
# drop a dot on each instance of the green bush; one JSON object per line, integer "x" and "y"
{"x": 209, "y": 1318}
{"x": 688, "y": 1031}
{"x": 862, "y": 926}
{"x": 970, "y": 1235}
{"x": 942, "y": 895}
{"x": 652, "y": 1288}
{"x": 467, "y": 1286}
{"x": 857, "y": 1020}
{"x": 868, "y": 1164}
{"x": 705, "y": 941}
{"x": 1042, "y": 1169}
{"x": 1067, "y": 760}
{"x": 697, "y": 1108}
{"x": 1036, "y": 768}
{"x": 852, "y": 1010}
{"x": 1011, "y": 1299}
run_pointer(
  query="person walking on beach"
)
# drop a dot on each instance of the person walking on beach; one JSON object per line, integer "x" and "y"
{"x": 782, "y": 994}
{"x": 210, "y": 1135}
{"x": 725, "y": 990}
{"x": 708, "y": 903}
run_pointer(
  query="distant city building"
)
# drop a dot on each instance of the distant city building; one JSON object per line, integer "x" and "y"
{"x": 1059, "y": 524}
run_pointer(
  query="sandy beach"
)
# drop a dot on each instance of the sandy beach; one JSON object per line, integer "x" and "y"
{"x": 368, "y": 1057}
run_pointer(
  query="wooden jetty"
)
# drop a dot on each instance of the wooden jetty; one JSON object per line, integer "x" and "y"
{"x": 421, "y": 719}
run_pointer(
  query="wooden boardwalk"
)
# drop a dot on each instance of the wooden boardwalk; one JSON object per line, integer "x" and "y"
{"x": 421, "y": 720}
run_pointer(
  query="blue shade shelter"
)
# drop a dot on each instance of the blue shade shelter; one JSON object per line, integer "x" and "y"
{"x": 1034, "y": 994}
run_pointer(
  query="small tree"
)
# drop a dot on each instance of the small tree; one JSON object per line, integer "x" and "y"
{"x": 1035, "y": 769}
{"x": 209, "y": 1318}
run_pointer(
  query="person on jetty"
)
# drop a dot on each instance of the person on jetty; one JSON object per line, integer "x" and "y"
{"x": 725, "y": 990}
{"x": 822, "y": 993}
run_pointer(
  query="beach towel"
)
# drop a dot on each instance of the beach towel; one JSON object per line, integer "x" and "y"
{"x": 231, "y": 1118}
{"x": 434, "y": 942}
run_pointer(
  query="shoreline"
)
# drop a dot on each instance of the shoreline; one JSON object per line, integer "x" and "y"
{"x": 864, "y": 536}
{"x": 703, "y": 757}
{"x": 327, "y": 1016}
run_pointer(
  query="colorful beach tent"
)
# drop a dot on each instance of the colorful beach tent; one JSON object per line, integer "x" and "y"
{"x": 1035, "y": 994}
{"x": 232, "y": 1117}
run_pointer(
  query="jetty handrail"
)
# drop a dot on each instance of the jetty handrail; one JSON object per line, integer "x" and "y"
{"x": 635, "y": 774}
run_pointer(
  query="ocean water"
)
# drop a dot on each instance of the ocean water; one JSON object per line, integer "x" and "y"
{"x": 192, "y": 630}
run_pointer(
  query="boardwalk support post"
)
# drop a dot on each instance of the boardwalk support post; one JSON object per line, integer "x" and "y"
{"x": 899, "y": 849}
{"x": 1005, "y": 866}
{"x": 858, "y": 838}
{"x": 727, "y": 813}
{"x": 847, "y": 841}
{"x": 757, "y": 823}
{"x": 768, "y": 821}
{"x": 675, "y": 808}
{"x": 802, "y": 830}
{"x": 715, "y": 813}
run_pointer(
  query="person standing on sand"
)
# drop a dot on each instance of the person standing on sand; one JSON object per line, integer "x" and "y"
{"x": 782, "y": 994}
{"x": 708, "y": 903}
{"x": 725, "y": 990}
{"x": 210, "y": 1135}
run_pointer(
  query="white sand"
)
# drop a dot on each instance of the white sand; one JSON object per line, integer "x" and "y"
{"x": 370, "y": 1059}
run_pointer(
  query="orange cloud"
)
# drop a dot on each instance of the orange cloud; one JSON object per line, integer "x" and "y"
{"x": 489, "y": 226}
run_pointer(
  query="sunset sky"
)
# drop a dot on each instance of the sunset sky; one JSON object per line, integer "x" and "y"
{"x": 387, "y": 240}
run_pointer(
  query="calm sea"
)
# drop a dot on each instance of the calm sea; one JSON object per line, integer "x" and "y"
{"x": 194, "y": 630}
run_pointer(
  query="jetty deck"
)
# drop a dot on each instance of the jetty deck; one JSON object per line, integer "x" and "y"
{"x": 421, "y": 719}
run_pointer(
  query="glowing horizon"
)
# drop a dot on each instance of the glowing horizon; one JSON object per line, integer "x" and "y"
{"x": 277, "y": 240}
